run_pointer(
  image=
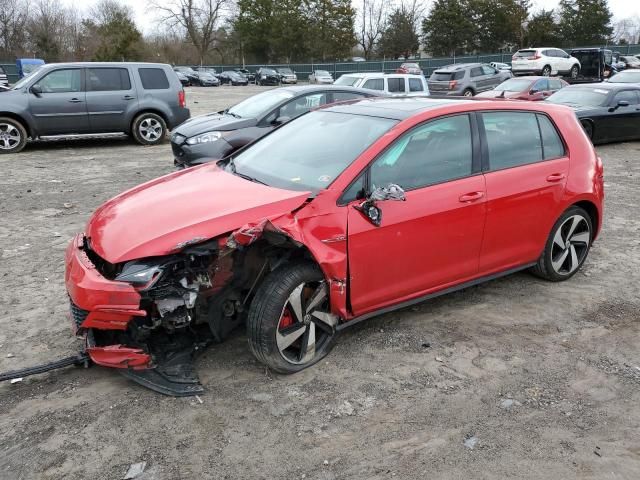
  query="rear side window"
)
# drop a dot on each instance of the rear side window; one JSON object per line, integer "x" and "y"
{"x": 459, "y": 75}
{"x": 396, "y": 85}
{"x": 552, "y": 146}
{"x": 477, "y": 72}
{"x": 343, "y": 96}
{"x": 554, "y": 84}
{"x": 153, "y": 79}
{"x": 513, "y": 139}
{"x": 415, "y": 85}
{"x": 374, "y": 84}
{"x": 108, "y": 79}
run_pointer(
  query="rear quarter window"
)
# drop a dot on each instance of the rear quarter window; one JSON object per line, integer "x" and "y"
{"x": 153, "y": 79}
{"x": 396, "y": 85}
{"x": 415, "y": 85}
{"x": 552, "y": 146}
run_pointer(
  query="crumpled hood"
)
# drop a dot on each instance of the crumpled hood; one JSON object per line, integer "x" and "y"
{"x": 193, "y": 205}
{"x": 213, "y": 122}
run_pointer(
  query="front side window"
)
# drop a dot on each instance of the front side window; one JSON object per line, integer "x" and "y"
{"x": 309, "y": 153}
{"x": 541, "y": 85}
{"x": 488, "y": 70}
{"x": 374, "y": 84}
{"x": 61, "y": 81}
{"x": 415, "y": 85}
{"x": 513, "y": 139}
{"x": 396, "y": 85}
{"x": 347, "y": 80}
{"x": 108, "y": 79}
{"x": 435, "y": 152}
{"x": 630, "y": 96}
{"x": 154, "y": 79}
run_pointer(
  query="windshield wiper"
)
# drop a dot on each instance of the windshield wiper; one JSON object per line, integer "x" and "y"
{"x": 232, "y": 167}
{"x": 235, "y": 115}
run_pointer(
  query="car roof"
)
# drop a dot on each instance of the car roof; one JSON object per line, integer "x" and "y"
{"x": 104, "y": 64}
{"x": 457, "y": 66}
{"x": 397, "y": 108}
{"x": 301, "y": 89}
{"x": 606, "y": 86}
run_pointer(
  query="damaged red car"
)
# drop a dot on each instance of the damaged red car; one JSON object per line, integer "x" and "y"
{"x": 347, "y": 212}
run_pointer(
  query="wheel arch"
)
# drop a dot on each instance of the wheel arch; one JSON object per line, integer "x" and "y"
{"x": 590, "y": 122}
{"x": 22, "y": 120}
{"x": 592, "y": 210}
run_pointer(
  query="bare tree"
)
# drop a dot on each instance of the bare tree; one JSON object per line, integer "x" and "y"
{"x": 627, "y": 29}
{"x": 47, "y": 29}
{"x": 198, "y": 19}
{"x": 373, "y": 19}
{"x": 13, "y": 19}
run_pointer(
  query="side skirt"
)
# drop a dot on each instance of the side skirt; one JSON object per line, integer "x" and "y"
{"x": 429, "y": 296}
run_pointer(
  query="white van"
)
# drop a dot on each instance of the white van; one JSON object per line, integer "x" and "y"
{"x": 391, "y": 83}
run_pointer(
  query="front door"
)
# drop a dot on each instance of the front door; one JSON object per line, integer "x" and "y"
{"x": 61, "y": 108}
{"x": 433, "y": 239}
{"x": 110, "y": 95}
{"x": 526, "y": 176}
{"x": 624, "y": 122}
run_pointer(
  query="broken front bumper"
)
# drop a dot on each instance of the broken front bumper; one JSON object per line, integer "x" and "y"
{"x": 102, "y": 304}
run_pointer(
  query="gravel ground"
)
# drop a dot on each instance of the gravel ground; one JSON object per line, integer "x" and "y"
{"x": 516, "y": 378}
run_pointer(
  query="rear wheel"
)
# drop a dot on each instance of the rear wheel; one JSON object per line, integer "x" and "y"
{"x": 567, "y": 246}
{"x": 575, "y": 70}
{"x": 290, "y": 326}
{"x": 13, "y": 135}
{"x": 149, "y": 129}
{"x": 468, "y": 93}
{"x": 588, "y": 129}
{"x": 546, "y": 71}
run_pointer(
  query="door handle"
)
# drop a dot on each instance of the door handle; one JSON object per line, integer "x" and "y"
{"x": 471, "y": 197}
{"x": 75, "y": 100}
{"x": 556, "y": 177}
{"x": 128, "y": 97}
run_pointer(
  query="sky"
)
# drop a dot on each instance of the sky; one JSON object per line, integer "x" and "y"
{"x": 144, "y": 15}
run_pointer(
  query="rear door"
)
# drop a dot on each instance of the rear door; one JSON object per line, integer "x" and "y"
{"x": 111, "y": 98}
{"x": 492, "y": 77}
{"x": 61, "y": 108}
{"x": 526, "y": 168}
{"x": 431, "y": 240}
{"x": 477, "y": 79}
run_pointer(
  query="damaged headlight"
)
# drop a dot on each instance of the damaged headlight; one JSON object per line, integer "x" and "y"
{"x": 143, "y": 273}
{"x": 207, "y": 137}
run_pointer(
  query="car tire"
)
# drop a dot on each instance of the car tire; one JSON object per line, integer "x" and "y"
{"x": 546, "y": 71}
{"x": 467, "y": 93}
{"x": 13, "y": 135}
{"x": 588, "y": 129}
{"x": 575, "y": 70}
{"x": 567, "y": 247}
{"x": 149, "y": 129}
{"x": 282, "y": 327}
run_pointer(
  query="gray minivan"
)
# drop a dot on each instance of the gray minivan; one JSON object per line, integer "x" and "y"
{"x": 59, "y": 100}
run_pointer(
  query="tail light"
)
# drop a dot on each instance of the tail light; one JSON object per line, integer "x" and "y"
{"x": 537, "y": 56}
{"x": 515, "y": 57}
{"x": 182, "y": 100}
{"x": 452, "y": 84}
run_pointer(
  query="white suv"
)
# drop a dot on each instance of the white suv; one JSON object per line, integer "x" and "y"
{"x": 544, "y": 61}
{"x": 392, "y": 83}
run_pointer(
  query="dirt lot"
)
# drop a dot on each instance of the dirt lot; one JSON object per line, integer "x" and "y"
{"x": 543, "y": 380}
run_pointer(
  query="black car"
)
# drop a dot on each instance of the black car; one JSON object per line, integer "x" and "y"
{"x": 267, "y": 76}
{"x": 232, "y": 78}
{"x": 184, "y": 80}
{"x": 250, "y": 76}
{"x": 189, "y": 72}
{"x": 609, "y": 112}
{"x": 216, "y": 135}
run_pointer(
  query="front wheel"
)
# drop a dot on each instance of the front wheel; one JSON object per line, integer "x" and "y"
{"x": 567, "y": 246}
{"x": 290, "y": 326}
{"x": 574, "y": 71}
{"x": 546, "y": 71}
{"x": 13, "y": 135}
{"x": 468, "y": 93}
{"x": 149, "y": 129}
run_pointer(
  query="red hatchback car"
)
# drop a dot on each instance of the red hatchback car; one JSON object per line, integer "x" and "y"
{"x": 347, "y": 212}
{"x": 526, "y": 88}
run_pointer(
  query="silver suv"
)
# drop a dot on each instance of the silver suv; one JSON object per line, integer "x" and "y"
{"x": 467, "y": 79}
{"x": 143, "y": 100}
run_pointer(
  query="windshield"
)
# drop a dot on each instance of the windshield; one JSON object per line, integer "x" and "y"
{"x": 626, "y": 77}
{"x": 21, "y": 83}
{"x": 347, "y": 80}
{"x": 310, "y": 152}
{"x": 514, "y": 85}
{"x": 441, "y": 76}
{"x": 258, "y": 105}
{"x": 589, "y": 97}
{"x": 267, "y": 71}
{"x": 285, "y": 71}
{"x": 525, "y": 53}
{"x": 322, "y": 73}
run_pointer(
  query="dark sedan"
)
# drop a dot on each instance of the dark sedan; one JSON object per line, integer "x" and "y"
{"x": 267, "y": 76}
{"x": 250, "y": 76}
{"x": 184, "y": 80}
{"x": 216, "y": 135}
{"x": 609, "y": 112}
{"x": 232, "y": 78}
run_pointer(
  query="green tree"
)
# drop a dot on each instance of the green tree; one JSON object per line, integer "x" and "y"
{"x": 585, "y": 22}
{"x": 543, "y": 30}
{"x": 253, "y": 25}
{"x": 499, "y": 23}
{"x": 332, "y": 36}
{"x": 399, "y": 37}
{"x": 449, "y": 29}
{"x": 118, "y": 37}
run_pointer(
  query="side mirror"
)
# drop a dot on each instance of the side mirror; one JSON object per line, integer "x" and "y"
{"x": 533, "y": 91}
{"x": 36, "y": 90}
{"x": 281, "y": 120}
{"x": 371, "y": 211}
{"x": 623, "y": 103}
